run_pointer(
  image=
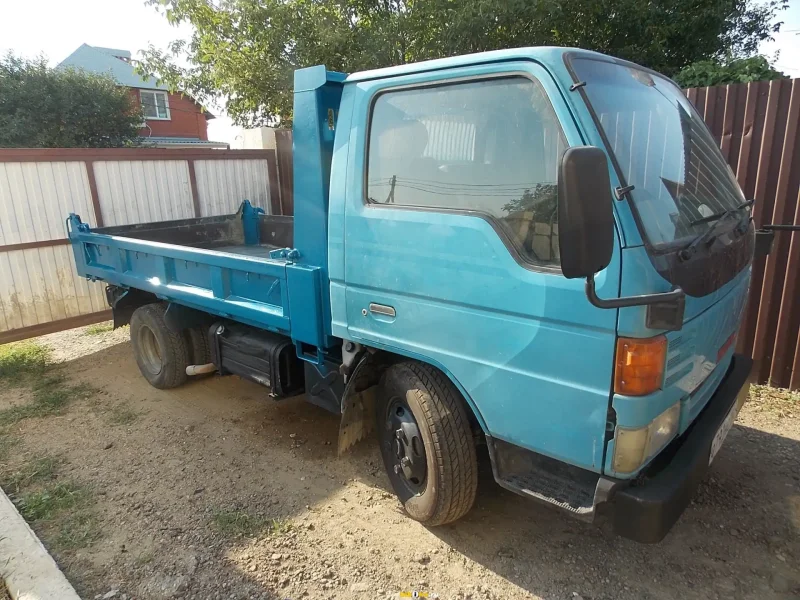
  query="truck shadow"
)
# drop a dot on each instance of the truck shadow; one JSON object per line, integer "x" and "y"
{"x": 220, "y": 445}
{"x": 739, "y": 530}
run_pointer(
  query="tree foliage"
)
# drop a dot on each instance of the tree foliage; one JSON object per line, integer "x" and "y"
{"x": 734, "y": 70}
{"x": 245, "y": 51}
{"x": 42, "y": 107}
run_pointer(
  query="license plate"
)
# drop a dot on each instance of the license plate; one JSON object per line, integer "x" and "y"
{"x": 723, "y": 430}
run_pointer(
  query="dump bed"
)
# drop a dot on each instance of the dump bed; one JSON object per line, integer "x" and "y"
{"x": 220, "y": 265}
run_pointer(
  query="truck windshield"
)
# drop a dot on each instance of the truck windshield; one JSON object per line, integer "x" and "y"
{"x": 662, "y": 148}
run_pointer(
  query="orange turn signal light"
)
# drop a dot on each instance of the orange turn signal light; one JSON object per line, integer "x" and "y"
{"x": 639, "y": 368}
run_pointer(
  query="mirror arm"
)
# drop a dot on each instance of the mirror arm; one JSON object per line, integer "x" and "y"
{"x": 780, "y": 228}
{"x": 766, "y": 234}
{"x": 676, "y": 294}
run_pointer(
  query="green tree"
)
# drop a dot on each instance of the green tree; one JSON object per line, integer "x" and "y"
{"x": 42, "y": 107}
{"x": 733, "y": 70}
{"x": 244, "y": 51}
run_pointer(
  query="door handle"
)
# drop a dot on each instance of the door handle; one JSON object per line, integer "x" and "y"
{"x": 382, "y": 309}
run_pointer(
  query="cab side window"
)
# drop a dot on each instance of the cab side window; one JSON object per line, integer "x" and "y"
{"x": 490, "y": 146}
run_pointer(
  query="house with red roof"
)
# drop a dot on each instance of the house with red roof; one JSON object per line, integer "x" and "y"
{"x": 171, "y": 120}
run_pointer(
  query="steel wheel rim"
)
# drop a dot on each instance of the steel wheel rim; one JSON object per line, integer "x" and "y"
{"x": 407, "y": 453}
{"x": 150, "y": 351}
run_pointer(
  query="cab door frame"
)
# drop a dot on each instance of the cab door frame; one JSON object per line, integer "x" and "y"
{"x": 535, "y": 360}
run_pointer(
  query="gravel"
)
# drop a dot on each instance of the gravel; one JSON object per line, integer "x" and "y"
{"x": 215, "y": 492}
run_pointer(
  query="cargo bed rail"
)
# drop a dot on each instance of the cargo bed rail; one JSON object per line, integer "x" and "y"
{"x": 250, "y": 289}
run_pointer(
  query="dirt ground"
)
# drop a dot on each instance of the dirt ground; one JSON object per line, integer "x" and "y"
{"x": 214, "y": 491}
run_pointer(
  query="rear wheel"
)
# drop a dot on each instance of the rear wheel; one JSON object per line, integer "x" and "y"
{"x": 426, "y": 443}
{"x": 162, "y": 356}
{"x": 199, "y": 350}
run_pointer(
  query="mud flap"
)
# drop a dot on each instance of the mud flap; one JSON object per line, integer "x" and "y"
{"x": 358, "y": 418}
{"x": 123, "y": 301}
{"x": 358, "y": 401}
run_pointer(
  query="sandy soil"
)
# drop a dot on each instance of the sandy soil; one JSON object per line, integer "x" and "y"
{"x": 170, "y": 475}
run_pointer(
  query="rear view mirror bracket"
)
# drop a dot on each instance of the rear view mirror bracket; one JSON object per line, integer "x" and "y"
{"x": 766, "y": 234}
{"x": 664, "y": 310}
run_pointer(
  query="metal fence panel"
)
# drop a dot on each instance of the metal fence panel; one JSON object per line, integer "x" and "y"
{"x": 40, "y": 292}
{"x": 757, "y": 126}
{"x": 143, "y": 191}
{"x": 223, "y": 184}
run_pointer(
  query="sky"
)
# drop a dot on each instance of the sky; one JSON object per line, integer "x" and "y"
{"x": 57, "y": 27}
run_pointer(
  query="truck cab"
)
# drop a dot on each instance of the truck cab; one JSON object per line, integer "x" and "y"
{"x": 541, "y": 250}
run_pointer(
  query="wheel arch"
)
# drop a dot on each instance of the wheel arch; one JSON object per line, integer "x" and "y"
{"x": 373, "y": 361}
{"x": 125, "y": 300}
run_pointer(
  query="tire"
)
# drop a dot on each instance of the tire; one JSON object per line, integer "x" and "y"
{"x": 446, "y": 490}
{"x": 162, "y": 356}
{"x": 199, "y": 350}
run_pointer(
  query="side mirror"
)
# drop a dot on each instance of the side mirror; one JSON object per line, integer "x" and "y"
{"x": 586, "y": 236}
{"x": 585, "y": 212}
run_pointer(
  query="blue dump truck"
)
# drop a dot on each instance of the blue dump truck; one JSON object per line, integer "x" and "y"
{"x": 540, "y": 251}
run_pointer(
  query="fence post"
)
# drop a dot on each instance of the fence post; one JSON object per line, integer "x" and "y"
{"x": 275, "y": 200}
{"x": 98, "y": 212}
{"x": 193, "y": 185}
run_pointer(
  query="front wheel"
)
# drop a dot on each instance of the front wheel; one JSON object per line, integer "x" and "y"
{"x": 426, "y": 443}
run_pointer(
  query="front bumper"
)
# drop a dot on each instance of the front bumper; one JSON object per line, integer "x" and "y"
{"x": 646, "y": 510}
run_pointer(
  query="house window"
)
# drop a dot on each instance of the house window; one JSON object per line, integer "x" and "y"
{"x": 488, "y": 146}
{"x": 155, "y": 105}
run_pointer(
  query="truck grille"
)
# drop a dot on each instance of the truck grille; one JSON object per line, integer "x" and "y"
{"x": 679, "y": 357}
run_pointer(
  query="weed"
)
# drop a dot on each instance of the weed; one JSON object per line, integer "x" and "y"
{"x": 42, "y": 468}
{"x": 77, "y": 531}
{"x": 279, "y": 526}
{"x": 122, "y": 415}
{"x": 237, "y": 522}
{"x": 777, "y": 401}
{"x": 50, "y": 397}
{"x": 22, "y": 360}
{"x": 99, "y": 329}
{"x": 45, "y": 503}
{"x": 144, "y": 558}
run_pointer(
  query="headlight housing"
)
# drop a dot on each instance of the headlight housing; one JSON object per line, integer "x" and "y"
{"x": 635, "y": 446}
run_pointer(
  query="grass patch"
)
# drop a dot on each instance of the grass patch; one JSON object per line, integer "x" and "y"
{"x": 42, "y": 468}
{"x": 7, "y": 441}
{"x": 22, "y": 360}
{"x": 98, "y": 329}
{"x": 238, "y": 522}
{"x": 122, "y": 415}
{"x": 43, "y": 504}
{"x": 50, "y": 397}
{"x": 77, "y": 531}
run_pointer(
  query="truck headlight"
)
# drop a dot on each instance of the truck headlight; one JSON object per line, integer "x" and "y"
{"x": 633, "y": 447}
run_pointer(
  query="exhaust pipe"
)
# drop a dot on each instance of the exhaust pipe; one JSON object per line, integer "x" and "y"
{"x": 200, "y": 369}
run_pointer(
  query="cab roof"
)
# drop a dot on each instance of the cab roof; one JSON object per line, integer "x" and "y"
{"x": 544, "y": 54}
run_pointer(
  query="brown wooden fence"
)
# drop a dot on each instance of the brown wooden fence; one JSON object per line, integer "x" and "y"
{"x": 757, "y": 128}
{"x": 283, "y": 149}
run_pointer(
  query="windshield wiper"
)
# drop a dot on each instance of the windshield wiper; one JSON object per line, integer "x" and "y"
{"x": 718, "y": 216}
{"x": 709, "y": 235}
